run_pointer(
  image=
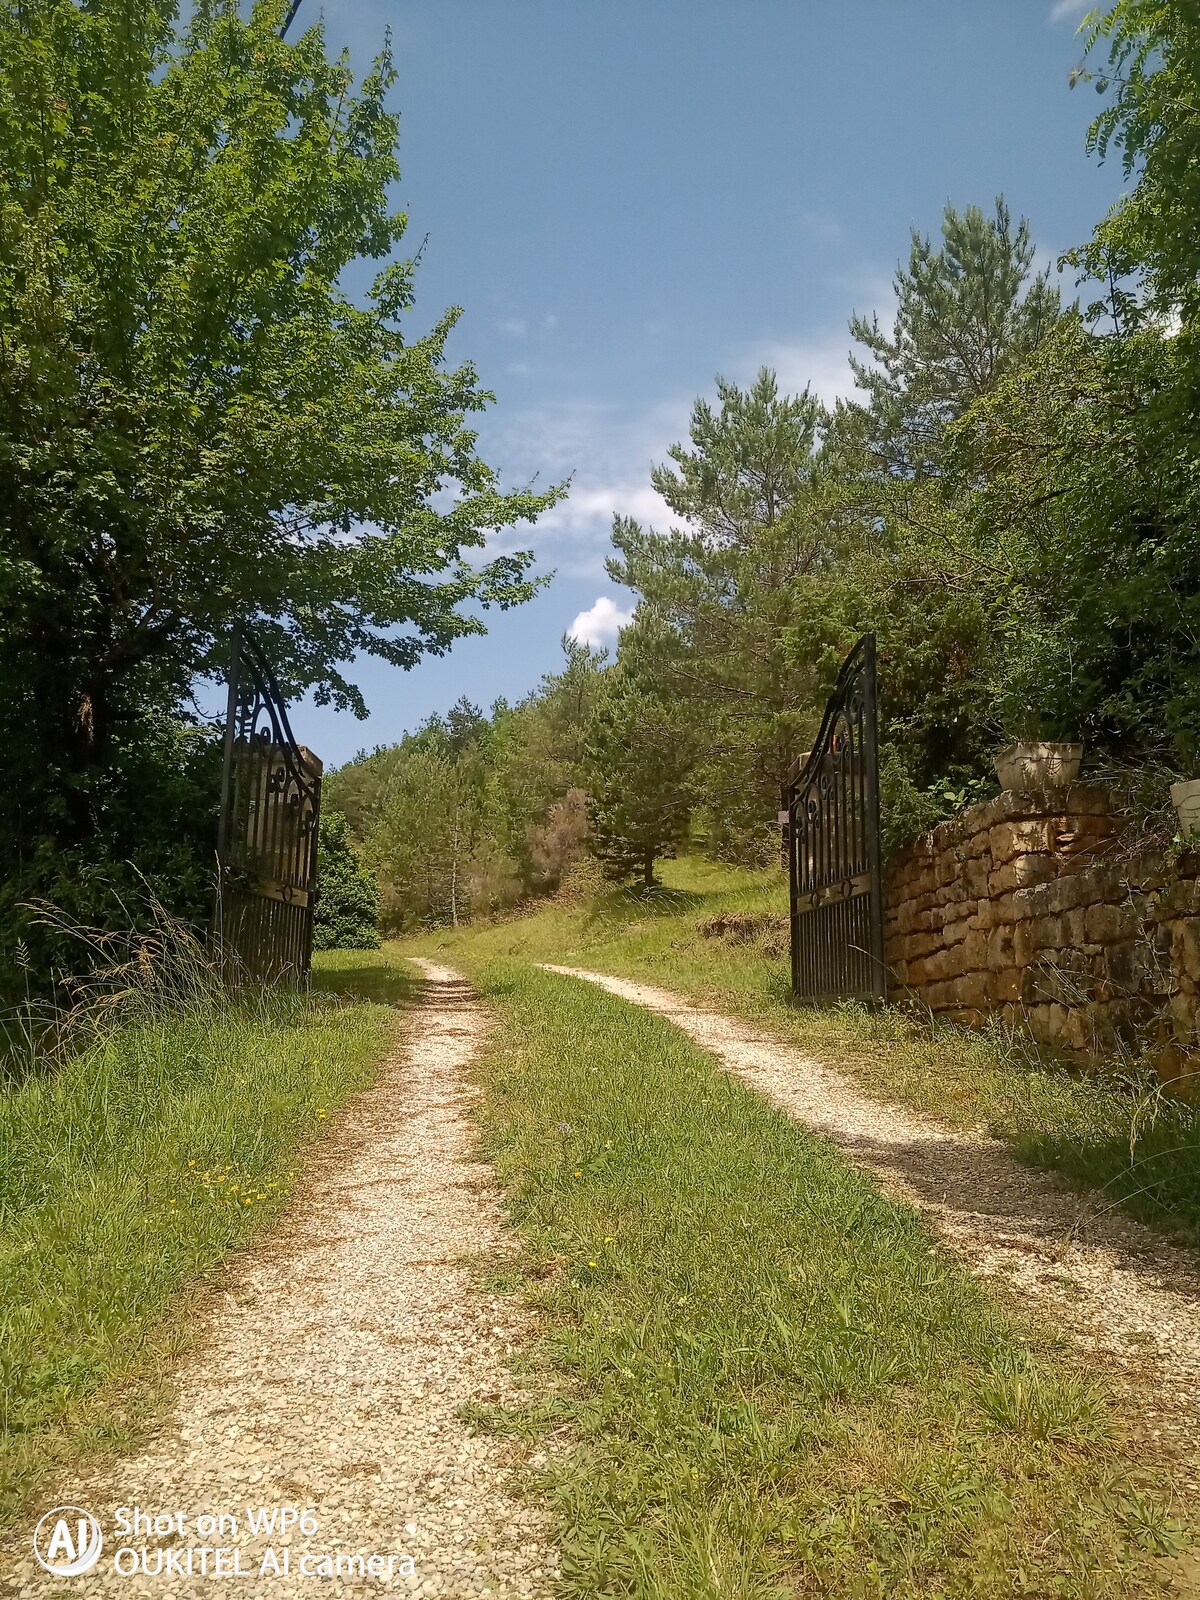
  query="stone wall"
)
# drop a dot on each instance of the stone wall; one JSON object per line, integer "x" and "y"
{"x": 1030, "y": 908}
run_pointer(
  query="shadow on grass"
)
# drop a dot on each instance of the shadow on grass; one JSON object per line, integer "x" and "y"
{"x": 622, "y": 906}
{"x": 1158, "y": 1181}
{"x": 364, "y": 975}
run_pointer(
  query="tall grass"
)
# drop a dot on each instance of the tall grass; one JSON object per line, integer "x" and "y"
{"x": 160, "y": 1125}
{"x": 776, "y": 1382}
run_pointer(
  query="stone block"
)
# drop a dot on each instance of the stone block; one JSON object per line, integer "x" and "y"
{"x": 1110, "y": 924}
{"x": 945, "y": 872}
{"x": 973, "y": 879}
{"x": 1179, "y": 1071}
{"x": 953, "y": 965}
{"x": 1046, "y": 933}
{"x": 1075, "y": 934}
{"x": 1185, "y": 947}
{"x": 1022, "y": 872}
{"x": 975, "y": 949}
{"x": 1088, "y": 799}
{"x": 979, "y": 846}
{"x": 1005, "y": 909}
{"x": 1009, "y": 839}
{"x": 970, "y": 990}
{"x": 964, "y": 1016}
{"x": 917, "y": 973}
{"x": 1129, "y": 969}
{"x": 1004, "y": 986}
{"x": 1001, "y": 953}
{"x": 955, "y": 931}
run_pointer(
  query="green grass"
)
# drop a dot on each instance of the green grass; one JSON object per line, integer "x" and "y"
{"x": 772, "y": 1381}
{"x": 1120, "y": 1138}
{"x": 134, "y": 1168}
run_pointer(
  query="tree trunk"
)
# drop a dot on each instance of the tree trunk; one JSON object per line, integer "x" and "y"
{"x": 648, "y": 869}
{"x": 454, "y": 876}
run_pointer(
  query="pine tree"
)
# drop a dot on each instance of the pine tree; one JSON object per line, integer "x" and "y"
{"x": 638, "y": 756}
{"x": 966, "y": 315}
{"x": 347, "y": 910}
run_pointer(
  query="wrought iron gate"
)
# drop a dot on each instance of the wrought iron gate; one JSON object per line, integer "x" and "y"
{"x": 833, "y": 846}
{"x": 267, "y": 836}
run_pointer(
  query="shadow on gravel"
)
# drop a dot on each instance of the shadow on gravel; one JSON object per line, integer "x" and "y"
{"x": 980, "y": 1188}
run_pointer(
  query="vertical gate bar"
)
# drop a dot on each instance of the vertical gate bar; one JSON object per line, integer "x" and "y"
{"x": 874, "y": 865}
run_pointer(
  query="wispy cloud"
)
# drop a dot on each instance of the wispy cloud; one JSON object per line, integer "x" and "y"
{"x": 1070, "y": 10}
{"x": 821, "y": 364}
{"x": 513, "y": 327}
{"x": 607, "y": 451}
{"x": 822, "y": 227}
{"x": 599, "y": 625}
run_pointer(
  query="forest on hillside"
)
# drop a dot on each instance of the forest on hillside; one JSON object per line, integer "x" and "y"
{"x": 1008, "y": 503}
{"x": 200, "y": 429}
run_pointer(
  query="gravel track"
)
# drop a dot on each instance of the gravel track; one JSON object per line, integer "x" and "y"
{"x": 1105, "y": 1282}
{"x": 338, "y": 1356}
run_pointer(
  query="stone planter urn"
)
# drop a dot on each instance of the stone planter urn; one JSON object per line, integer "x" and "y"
{"x": 1032, "y": 764}
{"x": 1185, "y": 797}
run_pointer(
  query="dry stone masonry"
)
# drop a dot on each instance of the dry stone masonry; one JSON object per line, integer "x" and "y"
{"x": 1029, "y": 907}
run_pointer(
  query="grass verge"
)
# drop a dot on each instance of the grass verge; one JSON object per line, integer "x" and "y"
{"x": 1107, "y": 1132}
{"x": 135, "y": 1167}
{"x": 775, "y": 1381}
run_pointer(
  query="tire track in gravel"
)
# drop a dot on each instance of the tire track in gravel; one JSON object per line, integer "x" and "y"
{"x": 1105, "y": 1282}
{"x": 338, "y": 1357}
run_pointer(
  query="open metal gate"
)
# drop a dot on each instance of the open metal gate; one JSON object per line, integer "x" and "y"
{"x": 267, "y": 836}
{"x": 833, "y": 846}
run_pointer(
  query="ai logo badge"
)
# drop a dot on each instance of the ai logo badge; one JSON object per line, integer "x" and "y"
{"x": 68, "y": 1541}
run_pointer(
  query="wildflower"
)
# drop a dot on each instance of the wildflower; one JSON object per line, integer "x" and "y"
{"x": 564, "y": 1127}
{"x": 221, "y": 1177}
{"x": 191, "y": 1163}
{"x": 247, "y": 1201}
{"x": 591, "y": 1263}
{"x": 610, "y": 1240}
{"x": 578, "y": 1174}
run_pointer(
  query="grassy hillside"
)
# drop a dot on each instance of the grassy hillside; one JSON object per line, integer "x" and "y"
{"x": 719, "y": 935}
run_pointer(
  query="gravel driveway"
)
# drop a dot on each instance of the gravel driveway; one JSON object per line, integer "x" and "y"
{"x": 1108, "y": 1284}
{"x": 338, "y": 1356}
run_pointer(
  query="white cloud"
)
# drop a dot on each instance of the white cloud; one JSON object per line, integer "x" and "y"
{"x": 608, "y": 449}
{"x": 514, "y": 327}
{"x": 822, "y": 364}
{"x": 607, "y": 452}
{"x": 599, "y": 625}
{"x": 1069, "y": 10}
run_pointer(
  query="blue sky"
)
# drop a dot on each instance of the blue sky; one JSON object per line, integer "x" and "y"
{"x": 628, "y": 197}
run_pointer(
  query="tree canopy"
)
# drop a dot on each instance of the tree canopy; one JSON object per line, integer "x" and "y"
{"x": 198, "y": 421}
